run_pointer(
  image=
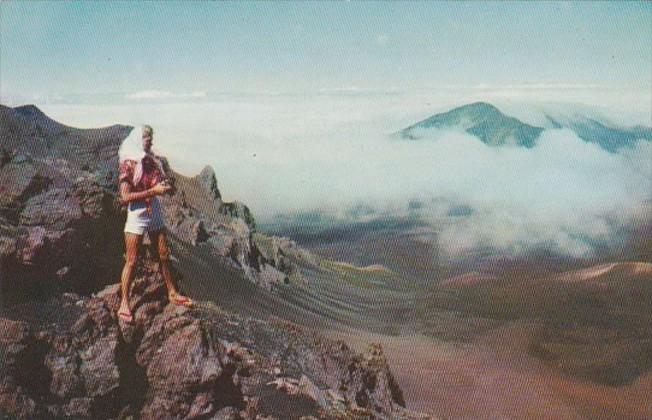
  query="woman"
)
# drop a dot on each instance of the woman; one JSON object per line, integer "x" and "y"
{"x": 142, "y": 179}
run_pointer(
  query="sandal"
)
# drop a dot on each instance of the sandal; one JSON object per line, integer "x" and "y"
{"x": 181, "y": 300}
{"x": 126, "y": 317}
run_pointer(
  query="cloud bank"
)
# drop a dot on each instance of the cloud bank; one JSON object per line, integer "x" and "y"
{"x": 331, "y": 153}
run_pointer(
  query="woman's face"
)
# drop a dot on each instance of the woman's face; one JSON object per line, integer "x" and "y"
{"x": 147, "y": 142}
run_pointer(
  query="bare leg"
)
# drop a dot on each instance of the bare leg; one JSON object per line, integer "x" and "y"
{"x": 161, "y": 252}
{"x": 132, "y": 241}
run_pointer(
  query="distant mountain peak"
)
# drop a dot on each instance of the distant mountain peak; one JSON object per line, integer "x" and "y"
{"x": 479, "y": 106}
{"x": 480, "y": 119}
{"x": 494, "y": 128}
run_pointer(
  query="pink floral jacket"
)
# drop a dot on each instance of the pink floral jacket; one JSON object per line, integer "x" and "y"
{"x": 151, "y": 176}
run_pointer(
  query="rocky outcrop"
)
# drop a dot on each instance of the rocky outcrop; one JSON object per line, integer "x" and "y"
{"x": 175, "y": 362}
{"x": 279, "y": 259}
{"x": 196, "y": 214}
{"x": 57, "y": 205}
{"x": 208, "y": 182}
{"x": 240, "y": 211}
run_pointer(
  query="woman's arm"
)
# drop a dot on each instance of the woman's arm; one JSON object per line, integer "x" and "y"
{"x": 127, "y": 196}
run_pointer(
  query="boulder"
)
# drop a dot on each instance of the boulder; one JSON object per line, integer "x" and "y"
{"x": 18, "y": 182}
{"x": 238, "y": 210}
{"x": 56, "y": 208}
{"x": 198, "y": 233}
{"x": 270, "y": 277}
{"x": 208, "y": 181}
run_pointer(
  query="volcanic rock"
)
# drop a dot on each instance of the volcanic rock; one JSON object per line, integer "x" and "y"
{"x": 176, "y": 362}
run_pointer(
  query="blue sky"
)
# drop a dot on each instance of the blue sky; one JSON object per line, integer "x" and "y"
{"x": 57, "y": 50}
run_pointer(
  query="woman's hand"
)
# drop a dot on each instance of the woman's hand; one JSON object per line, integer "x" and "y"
{"x": 161, "y": 188}
{"x": 128, "y": 196}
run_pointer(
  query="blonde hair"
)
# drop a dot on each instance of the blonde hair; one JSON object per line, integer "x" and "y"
{"x": 148, "y": 130}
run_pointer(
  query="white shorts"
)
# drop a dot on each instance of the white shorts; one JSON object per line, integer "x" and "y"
{"x": 140, "y": 221}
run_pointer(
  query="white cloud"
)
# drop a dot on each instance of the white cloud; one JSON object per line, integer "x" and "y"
{"x": 555, "y": 85}
{"x": 163, "y": 94}
{"x": 149, "y": 94}
{"x": 287, "y": 154}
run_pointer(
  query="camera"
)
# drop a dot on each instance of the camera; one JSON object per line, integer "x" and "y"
{"x": 171, "y": 183}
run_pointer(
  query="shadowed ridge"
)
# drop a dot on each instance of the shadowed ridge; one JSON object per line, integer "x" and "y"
{"x": 610, "y": 138}
{"x": 27, "y": 130}
{"x": 34, "y": 114}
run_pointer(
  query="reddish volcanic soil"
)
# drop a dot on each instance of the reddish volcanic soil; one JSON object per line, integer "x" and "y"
{"x": 493, "y": 377}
